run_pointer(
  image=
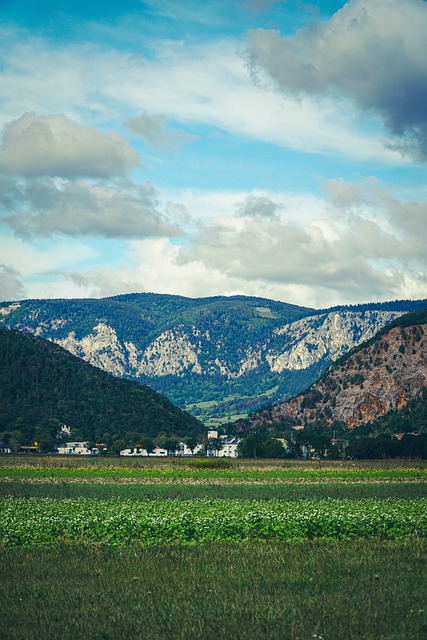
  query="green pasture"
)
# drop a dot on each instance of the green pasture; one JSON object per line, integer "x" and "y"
{"x": 368, "y": 589}
{"x": 202, "y": 469}
{"x": 49, "y": 522}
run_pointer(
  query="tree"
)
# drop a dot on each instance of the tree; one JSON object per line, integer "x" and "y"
{"x": 191, "y": 443}
{"x": 170, "y": 443}
{"x": 147, "y": 443}
{"x": 214, "y": 446}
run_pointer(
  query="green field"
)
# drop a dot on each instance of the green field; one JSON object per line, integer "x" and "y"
{"x": 111, "y": 548}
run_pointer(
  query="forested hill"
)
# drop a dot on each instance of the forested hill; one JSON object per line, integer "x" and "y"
{"x": 43, "y": 386}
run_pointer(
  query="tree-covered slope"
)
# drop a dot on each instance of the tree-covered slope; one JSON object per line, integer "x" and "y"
{"x": 43, "y": 386}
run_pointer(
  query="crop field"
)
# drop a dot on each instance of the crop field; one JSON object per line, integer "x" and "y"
{"x": 189, "y": 549}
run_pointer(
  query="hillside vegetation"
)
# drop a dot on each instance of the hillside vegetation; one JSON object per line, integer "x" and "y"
{"x": 43, "y": 387}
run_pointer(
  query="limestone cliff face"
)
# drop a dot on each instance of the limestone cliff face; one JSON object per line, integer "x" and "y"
{"x": 329, "y": 335}
{"x": 181, "y": 350}
{"x": 101, "y": 348}
{"x": 174, "y": 352}
{"x": 383, "y": 376}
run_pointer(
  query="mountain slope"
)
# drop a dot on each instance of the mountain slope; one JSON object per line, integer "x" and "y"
{"x": 218, "y": 357}
{"x": 381, "y": 376}
{"x": 43, "y": 386}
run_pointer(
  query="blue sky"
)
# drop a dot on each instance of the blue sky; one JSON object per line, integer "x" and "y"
{"x": 254, "y": 147}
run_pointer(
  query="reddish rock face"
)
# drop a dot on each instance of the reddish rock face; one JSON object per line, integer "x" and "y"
{"x": 383, "y": 376}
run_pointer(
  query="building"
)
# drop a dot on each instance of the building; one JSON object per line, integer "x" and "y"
{"x": 137, "y": 450}
{"x": 77, "y": 448}
{"x": 229, "y": 448}
{"x": 184, "y": 450}
{"x": 4, "y": 448}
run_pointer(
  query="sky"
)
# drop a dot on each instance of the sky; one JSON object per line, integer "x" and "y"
{"x": 257, "y": 147}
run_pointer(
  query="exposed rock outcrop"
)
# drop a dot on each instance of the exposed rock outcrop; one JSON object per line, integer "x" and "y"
{"x": 383, "y": 376}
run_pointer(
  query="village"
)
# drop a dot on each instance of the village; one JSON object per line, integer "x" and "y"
{"x": 223, "y": 446}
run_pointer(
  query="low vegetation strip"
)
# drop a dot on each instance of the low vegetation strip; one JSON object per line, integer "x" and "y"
{"x": 48, "y": 522}
{"x": 107, "y": 489}
{"x": 233, "y": 474}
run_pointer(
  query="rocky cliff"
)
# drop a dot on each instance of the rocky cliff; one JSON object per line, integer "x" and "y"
{"x": 383, "y": 376}
{"x": 186, "y": 349}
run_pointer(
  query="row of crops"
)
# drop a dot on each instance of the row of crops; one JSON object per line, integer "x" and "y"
{"x": 49, "y": 522}
{"x": 235, "y": 473}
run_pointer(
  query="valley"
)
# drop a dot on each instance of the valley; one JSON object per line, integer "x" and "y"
{"x": 219, "y": 358}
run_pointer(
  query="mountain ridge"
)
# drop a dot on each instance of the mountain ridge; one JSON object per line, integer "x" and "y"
{"x": 215, "y": 356}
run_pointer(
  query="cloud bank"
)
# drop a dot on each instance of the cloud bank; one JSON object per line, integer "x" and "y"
{"x": 11, "y": 286}
{"x": 374, "y": 53}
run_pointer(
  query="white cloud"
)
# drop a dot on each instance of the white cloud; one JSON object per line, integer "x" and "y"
{"x": 358, "y": 248}
{"x": 207, "y": 84}
{"x": 364, "y": 243}
{"x": 37, "y": 271}
{"x": 78, "y": 208}
{"x": 11, "y": 285}
{"x": 32, "y": 260}
{"x": 52, "y": 145}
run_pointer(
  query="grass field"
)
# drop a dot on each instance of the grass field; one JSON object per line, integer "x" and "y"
{"x": 117, "y": 549}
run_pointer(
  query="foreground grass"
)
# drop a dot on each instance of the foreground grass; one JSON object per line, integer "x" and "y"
{"x": 372, "y": 589}
{"x": 86, "y": 553}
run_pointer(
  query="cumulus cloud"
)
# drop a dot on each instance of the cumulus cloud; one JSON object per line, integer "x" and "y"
{"x": 52, "y": 145}
{"x": 363, "y": 244}
{"x": 155, "y": 131}
{"x": 11, "y": 286}
{"x": 75, "y": 208}
{"x": 374, "y": 53}
{"x": 366, "y": 241}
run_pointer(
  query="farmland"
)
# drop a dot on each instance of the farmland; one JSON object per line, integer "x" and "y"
{"x": 185, "y": 549}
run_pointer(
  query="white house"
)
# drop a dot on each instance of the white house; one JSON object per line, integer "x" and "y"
{"x": 184, "y": 450}
{"x": 139, "y": 451}
{"x": 77, "y": 448}
{"x": 133, "y": 451}
{"x": 229, "y": 447}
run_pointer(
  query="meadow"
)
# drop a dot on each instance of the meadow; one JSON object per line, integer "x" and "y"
{"x": 188, "y": 549}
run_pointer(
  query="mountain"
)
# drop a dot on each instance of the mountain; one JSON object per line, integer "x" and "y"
{"x": 383, "y": 381}
{"x": 43, "y": 386}
{"x": 218, "y": 357}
